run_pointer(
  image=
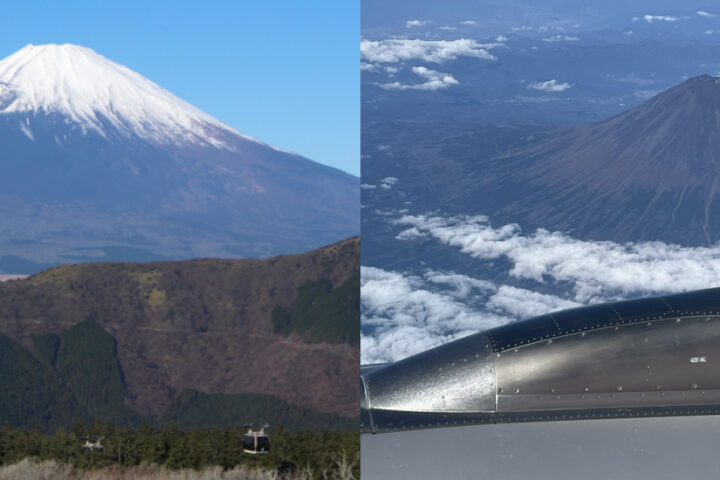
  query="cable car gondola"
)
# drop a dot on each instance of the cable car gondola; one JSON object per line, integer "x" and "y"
{"x": 256, "y": 442}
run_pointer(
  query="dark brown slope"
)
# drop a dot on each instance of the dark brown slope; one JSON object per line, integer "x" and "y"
{"x": 651, "y": 173}
{"x": 199, "y": 324}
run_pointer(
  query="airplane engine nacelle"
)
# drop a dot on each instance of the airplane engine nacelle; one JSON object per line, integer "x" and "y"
{"x": 648, "y": 357}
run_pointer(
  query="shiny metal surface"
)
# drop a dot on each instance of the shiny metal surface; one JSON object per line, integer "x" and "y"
{"x": 649, "y": 357}
{"x": 456, "y": 377}
{"x": 627, "y": 365}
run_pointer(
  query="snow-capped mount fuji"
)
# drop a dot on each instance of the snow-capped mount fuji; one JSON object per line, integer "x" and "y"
{"x": 98, "y": 162}
{"x": 101, "y": 96}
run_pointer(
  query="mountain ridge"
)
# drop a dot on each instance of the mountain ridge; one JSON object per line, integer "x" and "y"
{"x": 202, "y": 324}
{"x": 650, "y": 173}
{"x": 98, "y": 160}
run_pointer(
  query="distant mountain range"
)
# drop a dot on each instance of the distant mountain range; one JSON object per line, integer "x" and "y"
{"x": 651, "y": 173}
{"x": 99, "y": 163}
{"x": 197, "y": 342}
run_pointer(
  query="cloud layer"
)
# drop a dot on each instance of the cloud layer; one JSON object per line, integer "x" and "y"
{"x": 595, "y": 270}
{"x": 436, "y": 51}
{"x": 658, "y": 18}
{"x": 405, "y": 313}
{"x": 415, "y": 23}
{"x": 434, "y": 80}
{"x": 549, "y": 86}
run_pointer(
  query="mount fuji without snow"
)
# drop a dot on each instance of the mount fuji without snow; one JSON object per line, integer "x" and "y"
{"x": 99, "y": 163}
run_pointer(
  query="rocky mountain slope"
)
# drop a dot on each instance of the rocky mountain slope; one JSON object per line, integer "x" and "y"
{"x": 651, "y": 173}
{"x": 200, "y": 325}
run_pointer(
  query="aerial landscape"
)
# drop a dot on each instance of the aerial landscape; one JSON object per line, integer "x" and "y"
{"x": 520, "y": 159}
{"x": 177, "y": 297}
{"x": 555, "y": 170}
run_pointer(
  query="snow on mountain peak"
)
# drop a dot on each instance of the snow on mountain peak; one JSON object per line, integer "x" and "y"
{"x": 100, "y": 95}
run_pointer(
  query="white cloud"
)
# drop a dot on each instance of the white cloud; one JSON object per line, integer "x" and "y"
{"x": 434, "y": 81}
{"x": 703, "y": 13}
{"x": 521, "y": 303}
{"x": 367, "y": 67}
{"x": 367, "y": 186}
{"x": 468, "y": 22}
{"x": 449, "y": 29}
{"x": 561, "y": 38}
{"x": 388, "y": 182}
{"x": 523, "y": 28}
{"x": 401, "y": 316}
{"x": 436, "y": 51}
{"x": 501, "y": 38}
{"x": 415, "y": 23}
{"x": 463, "y": 285}
{"x": 405, "y": 314}
{"x": 549, "y": 86}
{"x": 391, "y": 70}
{"x": 709, "y": 32}
{"x": 660, "y": 18}
{"x": 595, "y": 270}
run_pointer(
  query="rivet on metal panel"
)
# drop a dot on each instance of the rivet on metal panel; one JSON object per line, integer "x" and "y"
{"x": 619, "y": 388}
{"x": 516, "y": 390}
{"x": 583, "y": 334}
{"x": 587, "y": 389}
{"x": 649, "y": 324}
{"x": 616, "y": 329}
{"x": 552, "y": 390}
{"x": 549, "y": 341}
{"x": 678, "y": 320}
{"x": 694, "y": 386}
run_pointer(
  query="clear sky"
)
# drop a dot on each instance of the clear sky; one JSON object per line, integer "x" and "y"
{"x": 284, "y": 72}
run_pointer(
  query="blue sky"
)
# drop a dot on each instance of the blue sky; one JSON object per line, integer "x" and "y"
{"x": 285, "y": 72}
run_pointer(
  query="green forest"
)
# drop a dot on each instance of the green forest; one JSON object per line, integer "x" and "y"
{"x": 77, "y": 377}
{"x": 175, "y": 448}
{"x": 322, "y": 313}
